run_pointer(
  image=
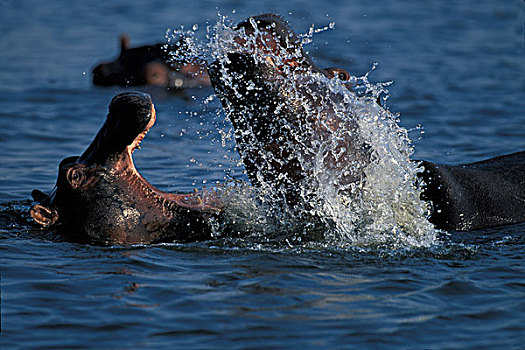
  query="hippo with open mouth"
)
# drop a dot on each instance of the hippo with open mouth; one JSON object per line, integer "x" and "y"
{"x": 282, "y": 117}
{"x": 101, "y": 198}
{"x": 158, "y": 64}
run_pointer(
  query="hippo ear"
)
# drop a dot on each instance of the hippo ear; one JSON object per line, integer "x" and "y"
{"x": 43, "y": 215}
{"x": 124, "y": 43}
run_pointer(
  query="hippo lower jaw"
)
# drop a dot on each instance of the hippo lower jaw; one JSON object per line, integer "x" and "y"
{"x": 101, "y": 198}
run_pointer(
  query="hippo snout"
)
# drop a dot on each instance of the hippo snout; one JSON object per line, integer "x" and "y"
{"x": 103, "y": 75}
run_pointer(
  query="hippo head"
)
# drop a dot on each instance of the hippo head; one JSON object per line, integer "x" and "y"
{"x": 100, "y": 196}
{"x": 283, "y": 107}
{"x": 168, "y": 65}
{"x": 134, "y": 66}
{"x": 83, "y": 183}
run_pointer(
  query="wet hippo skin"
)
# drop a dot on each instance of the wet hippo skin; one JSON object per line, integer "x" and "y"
{"x": 476, "y": 195}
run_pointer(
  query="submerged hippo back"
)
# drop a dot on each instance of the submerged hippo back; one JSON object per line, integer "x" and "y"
{"x": 476, "y": 195}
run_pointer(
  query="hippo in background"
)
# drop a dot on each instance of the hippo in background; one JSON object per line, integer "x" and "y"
{"x": 160, "y": 64}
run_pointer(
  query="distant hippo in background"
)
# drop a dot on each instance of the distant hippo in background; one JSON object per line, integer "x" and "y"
{"x": 159, "y": 64}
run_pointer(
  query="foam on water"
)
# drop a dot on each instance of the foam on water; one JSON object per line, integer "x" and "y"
{"x": 359, "y": 200}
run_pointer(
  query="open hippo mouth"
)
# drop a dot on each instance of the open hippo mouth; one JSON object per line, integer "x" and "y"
{"x": 101, "y": 197}
{"x": 283, "y": 110}
{"x": 130, "y": 117}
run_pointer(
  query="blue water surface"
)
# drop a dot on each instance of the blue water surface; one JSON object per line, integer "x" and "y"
{"x": 459, "y": 72}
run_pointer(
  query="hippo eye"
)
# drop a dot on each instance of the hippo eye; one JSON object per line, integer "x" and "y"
{"x": 75, "y": 177}
{"x": 343, "y": 75}
{"x": 339, "y": 73}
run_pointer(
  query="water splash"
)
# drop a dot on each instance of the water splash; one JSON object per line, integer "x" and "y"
{"x": 307, "y": 38}
{"x": 184, "y": 38}
{"x": 354, "y": 195}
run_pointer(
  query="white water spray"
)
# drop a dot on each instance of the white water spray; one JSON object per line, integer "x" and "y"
{"x": 382, "y": 207}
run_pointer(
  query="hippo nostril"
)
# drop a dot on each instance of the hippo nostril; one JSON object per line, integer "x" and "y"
{"x": 43, "y": 215}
